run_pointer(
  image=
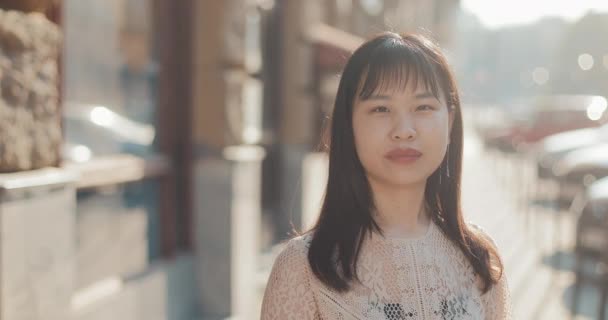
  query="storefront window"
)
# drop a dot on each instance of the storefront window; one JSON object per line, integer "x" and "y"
{"x": 110, "y": 74}
{"x": 110, "y": 107}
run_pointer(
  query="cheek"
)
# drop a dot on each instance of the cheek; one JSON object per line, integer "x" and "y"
{"x": 435, "y": 139}
{"x": 368, "y": 138}
{"x": 435, "y": 133}
{"x": 437, "y": 128}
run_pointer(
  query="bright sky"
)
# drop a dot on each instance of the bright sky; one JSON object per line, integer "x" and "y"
{"x": 499, "y": 13}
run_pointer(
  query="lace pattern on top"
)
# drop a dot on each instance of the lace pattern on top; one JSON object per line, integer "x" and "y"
{"x": 426, "y": 278}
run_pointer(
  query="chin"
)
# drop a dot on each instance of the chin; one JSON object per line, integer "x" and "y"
{"x": 409, "y": 183}
{"x": 404, "y": 180}
{"x": 400, "y": 177}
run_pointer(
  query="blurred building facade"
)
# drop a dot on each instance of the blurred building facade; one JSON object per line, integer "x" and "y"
{"x": 236, "y": 93}
{"x": 506, "y": 65}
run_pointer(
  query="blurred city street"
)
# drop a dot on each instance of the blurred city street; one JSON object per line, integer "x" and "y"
{"x": 156, "y": 154}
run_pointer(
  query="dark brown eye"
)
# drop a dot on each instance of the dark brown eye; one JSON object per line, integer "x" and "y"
{"x": 380, "y": 109}
{"x": 425, "y": 107}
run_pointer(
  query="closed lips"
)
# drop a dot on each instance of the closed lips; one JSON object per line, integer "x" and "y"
{"x": 398, "y": 153}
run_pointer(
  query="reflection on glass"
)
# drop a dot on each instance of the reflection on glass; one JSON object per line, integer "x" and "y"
{"x": 110, "y": 63}
{"x": 102, "y": 116}
{"x": 104, "y": 131}
{"x": 110, "y": 99}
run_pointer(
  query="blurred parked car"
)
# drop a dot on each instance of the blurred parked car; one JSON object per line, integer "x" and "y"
{"x": 598, "y": 195}
{"x": 551, "y": 149}
{"x": 579, "y": 169}
{"x": 592, "y": 244}
{"x": 550, "y": 115}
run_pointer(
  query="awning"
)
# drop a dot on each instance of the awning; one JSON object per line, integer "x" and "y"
{"x": 332, "y": 46}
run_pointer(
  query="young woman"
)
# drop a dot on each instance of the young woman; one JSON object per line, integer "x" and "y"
{"x": 390, "y": 241}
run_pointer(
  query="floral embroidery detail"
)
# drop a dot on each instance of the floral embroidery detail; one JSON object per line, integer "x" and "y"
{"x": 453, "y": 309}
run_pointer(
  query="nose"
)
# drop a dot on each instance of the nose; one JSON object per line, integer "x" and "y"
{"x": 403, "y": 129}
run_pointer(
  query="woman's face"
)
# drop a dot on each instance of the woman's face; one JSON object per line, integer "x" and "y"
{"x": 390, "y": 122}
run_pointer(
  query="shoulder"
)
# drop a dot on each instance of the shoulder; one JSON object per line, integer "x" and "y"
{"x": 294, "y": 254}
{"x": 288, "y": 293}
{"x": 300, "y": 243}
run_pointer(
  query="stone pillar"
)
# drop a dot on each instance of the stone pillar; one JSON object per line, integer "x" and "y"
{"x": 227, "y": 97}
{"x": 300, "y": 115}
{"x": 298, "y": 109}
{"x": 227, "y": 100}
{"x": 227, "y": 227}
{"x": 37, "y": 212}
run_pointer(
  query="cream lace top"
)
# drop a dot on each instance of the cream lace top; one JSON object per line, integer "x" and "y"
{"x": 422, "y": 278}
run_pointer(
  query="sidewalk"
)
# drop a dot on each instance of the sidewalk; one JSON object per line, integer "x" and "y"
{"x": 498, "y": 194}
{"x": 495, "y": 195}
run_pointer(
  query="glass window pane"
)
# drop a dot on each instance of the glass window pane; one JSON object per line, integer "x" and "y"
{"x": 110, "y": 75}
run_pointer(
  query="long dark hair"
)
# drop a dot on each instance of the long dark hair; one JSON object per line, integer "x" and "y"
{"x": 345, "y": 217}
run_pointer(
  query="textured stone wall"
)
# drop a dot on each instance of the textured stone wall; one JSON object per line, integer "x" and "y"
{"x": 30, "y": 131}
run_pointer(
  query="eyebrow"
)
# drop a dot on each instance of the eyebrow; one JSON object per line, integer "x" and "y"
{"x": 423, "y": 95}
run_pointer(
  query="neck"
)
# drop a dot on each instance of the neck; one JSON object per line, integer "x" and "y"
{"x": 400, "y": 212}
